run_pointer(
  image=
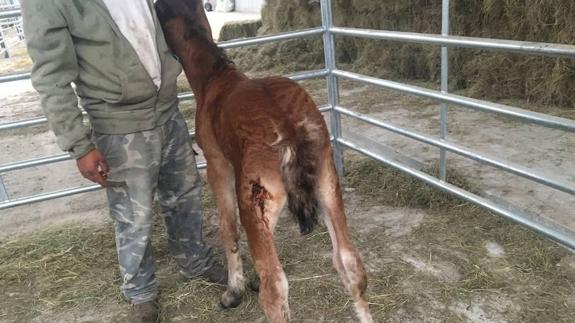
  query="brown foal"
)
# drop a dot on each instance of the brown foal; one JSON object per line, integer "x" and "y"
{"x": 266, "y": 144}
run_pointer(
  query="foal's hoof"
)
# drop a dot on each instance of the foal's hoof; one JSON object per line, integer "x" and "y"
{"x": 254, "y": 284}
{"x": 230, "y": 300}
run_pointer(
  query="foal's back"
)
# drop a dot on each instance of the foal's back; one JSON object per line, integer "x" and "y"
{"x": 268, "y": 112}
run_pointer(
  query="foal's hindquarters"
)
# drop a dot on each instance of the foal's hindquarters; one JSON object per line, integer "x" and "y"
{"x": 266, "y": 146}
{"x": 288, "y": 162}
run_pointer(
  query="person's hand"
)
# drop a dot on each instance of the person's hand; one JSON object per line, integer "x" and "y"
{"x": 93, "y": 166}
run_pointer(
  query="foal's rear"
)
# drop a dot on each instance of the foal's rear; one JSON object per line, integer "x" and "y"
{"x": 267, "y": 146}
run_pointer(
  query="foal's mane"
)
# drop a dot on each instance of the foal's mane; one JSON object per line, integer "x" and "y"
{"x": 187, "y": 11}
{"x": 197, "y": 31}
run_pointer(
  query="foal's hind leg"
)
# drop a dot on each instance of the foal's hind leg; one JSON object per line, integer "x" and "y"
{"x": 345, "y": 258}
{"x": 221, "y": 178}
{"x": 260, "y": 201}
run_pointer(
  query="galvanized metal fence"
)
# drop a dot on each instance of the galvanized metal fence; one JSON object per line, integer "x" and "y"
{"x": 10, "y": 24}
{"x": 332, "y": 74}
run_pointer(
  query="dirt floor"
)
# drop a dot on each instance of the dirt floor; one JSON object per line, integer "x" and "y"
{"x": 430, "y": 258}
{"x": 542, "y": 150}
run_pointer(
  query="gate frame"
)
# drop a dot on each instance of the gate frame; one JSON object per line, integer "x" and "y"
{"x": 543, "y": 226}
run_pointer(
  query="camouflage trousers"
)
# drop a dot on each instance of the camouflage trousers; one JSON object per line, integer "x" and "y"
{"x": 142, "y": 164}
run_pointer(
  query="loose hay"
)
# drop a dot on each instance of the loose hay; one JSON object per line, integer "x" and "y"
{"x": 456, "y": 232}
{"x": 440, "y": 270}
{"x": 73, "y": 267}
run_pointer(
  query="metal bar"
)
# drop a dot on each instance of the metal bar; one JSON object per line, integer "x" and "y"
{"x": 14, "y": 77}
{"x": 41, "y": 120}
{"x": 186, "y": 96}
{"x": 22, "y": 123}
{"x": 444, "y": 89}
{"x": 297, "y": 77}
{"x": 10, "y": 13}
{"x": 20, "y": 30}
{"x": 547, "y": 228}
{"x": 521, "y": 47}
{"x": 48, "y": 196}
{"x": 3, "y": 45}
{"x": 26, "y": 123}
{"x": 182, "y": 96}
{"x": 325, "y": 108}
{"x": 300, "y": 76}
{"x": 271, "y": 38}
{"x": 308, "y": 75}
{"x": 45, "y": 160}
{"x": 332, "y": 84}
{"x": 452, "y": 41}
{"x": 509, "y": 111}
{"x": 558, "y": 184}
{"x": 59, "y": 194}
{"x": 34, "y": 162}
{"x": 3, "y": 191}
{"x": 63, "y": 157}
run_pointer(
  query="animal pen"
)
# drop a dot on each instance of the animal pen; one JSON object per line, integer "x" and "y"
{"x": 332, "y": 74}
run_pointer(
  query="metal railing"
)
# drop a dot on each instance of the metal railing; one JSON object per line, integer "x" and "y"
{"x": 10, "y": 26}
{"x": 333, "y": 74}
{"x": 10, "y": 13}
{"x": 548, "y": 228}
{"x": 6, "y": 203}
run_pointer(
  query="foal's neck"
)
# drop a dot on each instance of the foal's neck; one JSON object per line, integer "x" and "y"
{"x": 202, "y": 62}
{"x": 199, "y": 64}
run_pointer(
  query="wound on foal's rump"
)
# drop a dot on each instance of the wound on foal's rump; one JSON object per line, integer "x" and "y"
{"x": 259, "y": 197}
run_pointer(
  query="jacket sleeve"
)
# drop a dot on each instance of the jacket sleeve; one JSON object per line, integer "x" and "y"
{"x": 55, "y": 67}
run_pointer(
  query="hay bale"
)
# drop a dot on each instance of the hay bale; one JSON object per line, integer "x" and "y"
{"x": 240, "y": 29}
{"x": 485, "y": 74}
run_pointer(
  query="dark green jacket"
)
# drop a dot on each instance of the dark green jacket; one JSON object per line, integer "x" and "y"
{"x": 77, "y": 41}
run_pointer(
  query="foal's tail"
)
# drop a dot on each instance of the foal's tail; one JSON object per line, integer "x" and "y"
{"x": 300, "y": 174}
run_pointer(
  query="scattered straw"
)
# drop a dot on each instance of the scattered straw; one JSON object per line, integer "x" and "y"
{"x": 430, "y": 273}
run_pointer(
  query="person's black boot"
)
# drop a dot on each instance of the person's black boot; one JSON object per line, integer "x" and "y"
{"x": 146, "y": 312}
{"x": 216, "y": 274}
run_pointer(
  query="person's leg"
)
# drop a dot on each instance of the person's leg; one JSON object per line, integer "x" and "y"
{"x": 134, "y": 165}
{"x": 180, "y": 196}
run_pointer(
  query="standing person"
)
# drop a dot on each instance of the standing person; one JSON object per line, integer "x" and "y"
{"x": 114, "y": 53}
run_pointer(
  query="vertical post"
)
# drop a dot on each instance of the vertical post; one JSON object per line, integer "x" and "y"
{"x": 3, "y": 46}
{"x": 19, "y": 29}
{"x": 332, "y": 85}
{"x": 3, "y": 192}
{"x": 444, "y": 89}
